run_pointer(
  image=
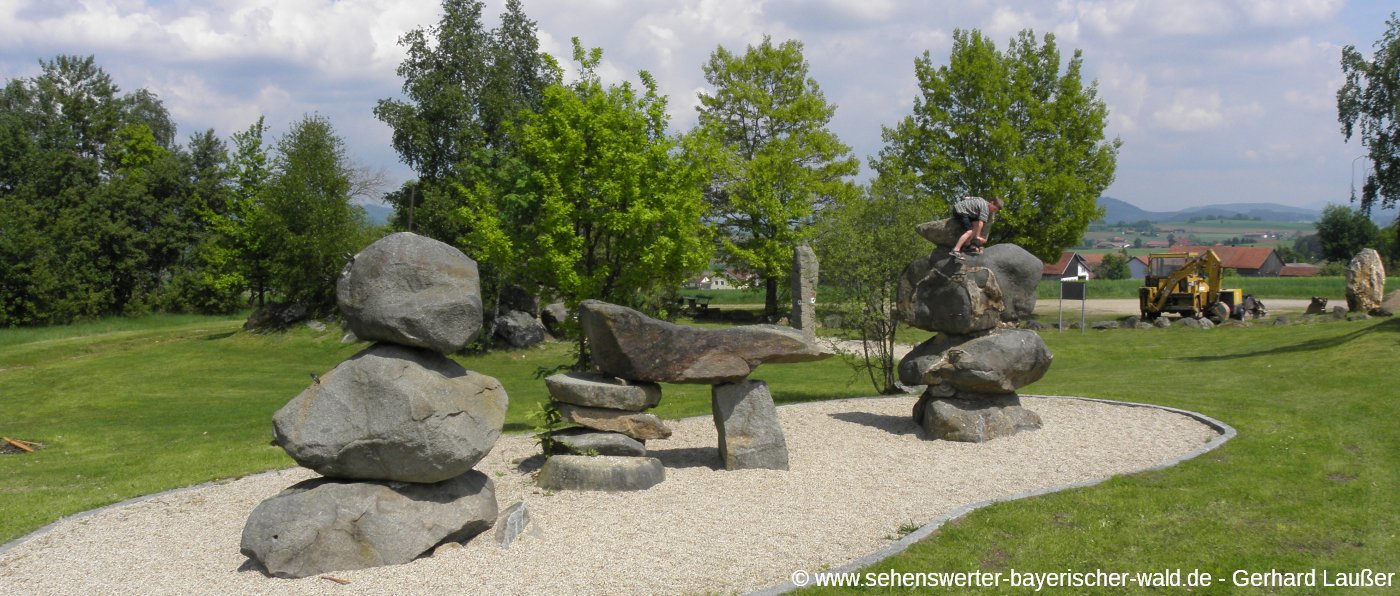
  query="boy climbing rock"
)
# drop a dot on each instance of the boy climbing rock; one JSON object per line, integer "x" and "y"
{"x": 973, "y": 214}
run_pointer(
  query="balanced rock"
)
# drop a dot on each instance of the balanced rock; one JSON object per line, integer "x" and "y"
{"x": 603, "y": 472}
{"x": 1365, "y": 281}
{"x": 975, "y": 420}
{"x": 323, "y": 525}
{"x": 412, "y": 290}
{"x": 628, "y": 344}
{"x": 941, "y": 232}
{"x": 643, "y": 427}
{"x": 750, "y": 436}
{"x": 603, "y": 391}
{"x": 999, "y": 362}
{"x": 586, "y": 441}
{"x": 393, "y": 413}
{"x": 518, "y": 329}
{"x": 940, "y": 293}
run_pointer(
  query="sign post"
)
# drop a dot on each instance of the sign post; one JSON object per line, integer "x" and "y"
{"x": 1073, "y": 288}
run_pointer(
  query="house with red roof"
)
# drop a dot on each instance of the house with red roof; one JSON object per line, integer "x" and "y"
{"x": 1251, "y": 261}
{"x": 1071, "y": 264}
{"x": 1299, "y": 270}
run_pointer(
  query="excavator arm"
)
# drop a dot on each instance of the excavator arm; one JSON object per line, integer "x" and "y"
{"x": 1199, "y": 277}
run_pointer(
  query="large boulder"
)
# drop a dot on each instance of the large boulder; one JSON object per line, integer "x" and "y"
{"x": 940, "y": 293}
{"x": 412, "y": 290}
{"x": 999, "y": 362}
{"x": 603, "y": 472}
{"x": 603, "y": 391}
{"x": 324, "y": 525}
{"x": 1365, "y": 281}
{"x": 973, "y": 419}
{"x": 518, "y": 329}
{"x": 643, "y": 427}
{"x": 393, "y": 413}
{"x": 628, "y": 344}
{"x": 555, "y": 316}
{"x": 750, "y": 436}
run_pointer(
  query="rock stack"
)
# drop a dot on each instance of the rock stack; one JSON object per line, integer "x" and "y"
{"x": 634, "y": 352}
{"x": 394, "y": 430}
{"x": 977, "y": 362}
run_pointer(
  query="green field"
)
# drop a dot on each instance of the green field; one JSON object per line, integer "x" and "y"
{"x": 1311, "y": 481}
{"x": 1264, "y": 288}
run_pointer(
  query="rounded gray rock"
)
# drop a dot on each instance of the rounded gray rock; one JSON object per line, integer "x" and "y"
{"x": 586, "y": 441}
{"x": 414, "y": 291}
{"x": 393, "y": 413}
{"x": 998, "y": 362}
{"x": 518, "y": 329}
{"x": 602, "y": 473}
{"x": 643, "y": 427}
{"x": 973, "y": 419}
{"x": 324, "y": 525}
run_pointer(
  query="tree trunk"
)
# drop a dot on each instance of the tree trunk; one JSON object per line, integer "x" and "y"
{"x": 770, "y": 299}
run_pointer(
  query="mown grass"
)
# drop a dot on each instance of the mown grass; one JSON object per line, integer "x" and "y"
{"x": 131, "y": 407}
{"x": 1311, "y": 481}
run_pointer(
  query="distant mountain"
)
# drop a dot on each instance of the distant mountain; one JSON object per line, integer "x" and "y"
{"x": 377, "y": 214}
{"x": 1116, "y": 210}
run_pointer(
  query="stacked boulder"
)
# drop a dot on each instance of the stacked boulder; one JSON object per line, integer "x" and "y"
{"x": 395, "y": 430}
{"x": 977, "y": 362}
{"x": 634, "y": 352}
{"x": 607, "y": 449}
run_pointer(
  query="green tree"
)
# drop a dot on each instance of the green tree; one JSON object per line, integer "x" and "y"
{"x": 1367, "y": 107}
{"x": 311, "y": 226}
{"x": 1113, "y": 266}
{"x": 1342, "y": 232}
{"x": 864, "y": 243}
{"x": 608, "y": 206}
{"x": 1011, "y": 125}
{"x": 777, "y": 159}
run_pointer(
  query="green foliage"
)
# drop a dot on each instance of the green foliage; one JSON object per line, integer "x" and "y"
{"x": 606, "y": 206}
{"x": 764, "y": 133}
{"x": 1113, "y": 266}
{"x": 1342, "y": 232}
{"x": 1009, "y": 125}
{"x": 864, "y": 243}
{"x": 546, "y": 419}
{"x": 1366, "y": 107}
{"x": 311, "y": 228}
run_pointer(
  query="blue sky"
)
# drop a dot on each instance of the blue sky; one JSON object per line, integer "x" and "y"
{"x": 1215, "y": 101}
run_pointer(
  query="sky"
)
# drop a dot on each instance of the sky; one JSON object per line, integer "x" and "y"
{"x": 1215, "y": 101}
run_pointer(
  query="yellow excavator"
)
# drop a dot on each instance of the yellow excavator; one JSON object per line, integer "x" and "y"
{"x": 1188, "y": 284}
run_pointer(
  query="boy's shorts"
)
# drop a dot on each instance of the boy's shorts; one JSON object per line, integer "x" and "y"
{"x": 964, "y": 220}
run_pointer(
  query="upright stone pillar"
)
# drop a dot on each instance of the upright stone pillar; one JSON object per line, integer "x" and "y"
{"x": 804, "y": 291}
{"x": 750, "y": 436}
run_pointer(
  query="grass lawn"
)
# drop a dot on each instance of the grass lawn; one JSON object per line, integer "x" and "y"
{"x": 1310, "y": 482}
{"x": 1263, "y": 287}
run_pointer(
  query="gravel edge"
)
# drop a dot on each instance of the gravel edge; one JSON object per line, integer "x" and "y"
{"x": 1226, "y": 431}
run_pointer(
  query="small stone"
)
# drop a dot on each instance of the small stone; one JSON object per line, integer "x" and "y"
{"x": 603, "y": 391}
{"x": 1280, "y": 321}
{"x": 1104, "y": 325}
{"x": 515, "y": 522}
{"x": 643, "y": 427}
{"x": 601, "y": 473}
{"x": 1161, "y": 322}
{"x": 750, "y": 436}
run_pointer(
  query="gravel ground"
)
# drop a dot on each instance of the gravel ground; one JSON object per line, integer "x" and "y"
{"x": 860, "y": 471}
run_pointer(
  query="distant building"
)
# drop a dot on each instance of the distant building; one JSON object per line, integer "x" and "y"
{"x": 1071, "y": 264}
{"x": 1299, "y": 270}
{"x": 1138, "y": 267}
{"x": 1250, "y": 261}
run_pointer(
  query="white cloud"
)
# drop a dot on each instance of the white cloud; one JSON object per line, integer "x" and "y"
{"x": 1290, "y": 12}
{"x": 1191, "y": 110}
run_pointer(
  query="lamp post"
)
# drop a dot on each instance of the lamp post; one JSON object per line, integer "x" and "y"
{"x": 1353, "y": 176}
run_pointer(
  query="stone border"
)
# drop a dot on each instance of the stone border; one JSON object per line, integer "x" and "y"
{"x": 1226, "y": 431}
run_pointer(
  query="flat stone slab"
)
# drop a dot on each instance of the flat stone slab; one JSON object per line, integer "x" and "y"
{"x": 586, "y": 441}
{"x": 643, "y": 427}
{"x": 1002, "y": 361}
{"x": 324, "y": 525}
{"x": 750, "y": 436}
{"x": 973, "y": 419}
{"x": 602, "y": 473}
{"x": 941, "y": 232}
{"x": 603, "y": 391}
{"x": 392, "y": 412}
{"x": 628, "y": 344}
{"x": 414, "y": 291}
